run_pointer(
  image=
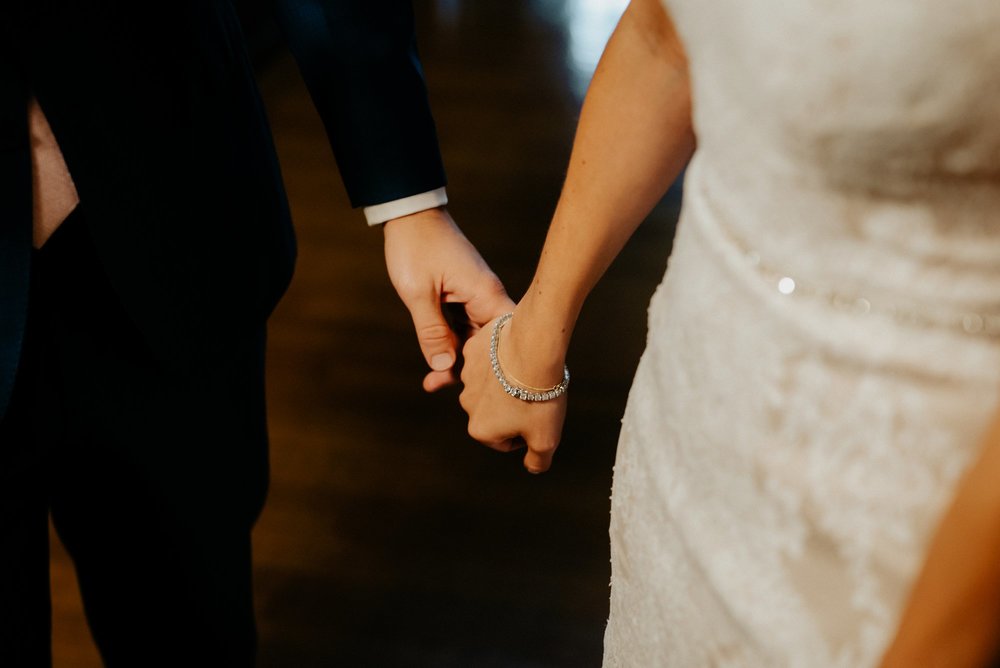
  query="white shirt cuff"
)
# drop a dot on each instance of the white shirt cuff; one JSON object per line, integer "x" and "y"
{"x": 380, "y": 213}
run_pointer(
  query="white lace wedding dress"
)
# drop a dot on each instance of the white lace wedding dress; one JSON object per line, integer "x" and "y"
{"x": 824, "y": 351}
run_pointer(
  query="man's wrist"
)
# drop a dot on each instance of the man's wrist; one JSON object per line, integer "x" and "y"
{"x": 406, "y": 206}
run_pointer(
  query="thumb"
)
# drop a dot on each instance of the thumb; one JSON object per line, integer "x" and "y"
{"x": 437, "y": 341}
{"x": 489, "y": 302}
{"x": 538, "y": 461}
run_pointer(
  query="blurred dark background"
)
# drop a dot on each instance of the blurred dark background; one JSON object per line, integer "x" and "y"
{"x": 390, "y": 538}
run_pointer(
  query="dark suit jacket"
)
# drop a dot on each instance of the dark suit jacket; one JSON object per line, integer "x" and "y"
{"x": 157, "y": 113}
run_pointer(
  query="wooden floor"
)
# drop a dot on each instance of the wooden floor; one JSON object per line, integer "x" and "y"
{"x": 390, "y": 538}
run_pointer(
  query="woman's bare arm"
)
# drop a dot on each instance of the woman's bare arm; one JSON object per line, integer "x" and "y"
{"x": 633, "y": 139}
{"x": 952, "y": 619}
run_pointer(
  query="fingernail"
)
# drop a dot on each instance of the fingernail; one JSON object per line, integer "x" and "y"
{"x": 533, "y": 471}
{"x": 441, "y": 362}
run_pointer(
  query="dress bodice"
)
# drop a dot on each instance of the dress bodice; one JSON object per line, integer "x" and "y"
{"x": 854, "y": 146}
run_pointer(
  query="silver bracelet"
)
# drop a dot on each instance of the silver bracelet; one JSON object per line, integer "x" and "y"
{"x": 522, "y": 393}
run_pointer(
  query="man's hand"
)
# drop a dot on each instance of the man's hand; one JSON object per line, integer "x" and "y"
{"x": 430, "y": 262}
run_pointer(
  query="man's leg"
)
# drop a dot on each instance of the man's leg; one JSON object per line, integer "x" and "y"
{"x": 25, "y": 614}
{"x": 160, "y": 477}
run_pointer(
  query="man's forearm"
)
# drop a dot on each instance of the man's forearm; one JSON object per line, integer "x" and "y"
{"x": 359, "y": 61}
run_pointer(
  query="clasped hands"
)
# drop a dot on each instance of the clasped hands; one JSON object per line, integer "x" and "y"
{"x": 430, "y": 262}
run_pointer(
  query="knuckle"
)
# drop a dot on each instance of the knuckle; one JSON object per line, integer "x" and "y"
{"x": 492, "y": 284}
{"x": 478, "y": 432}
{"x": 501, "y": 446}
{"x": 544, "y": 447}
{"x": 408, "y": 287}
{"x": 434, "y": 333}
{"x": 475, "y": 433}
{"x": 492, "y": 281}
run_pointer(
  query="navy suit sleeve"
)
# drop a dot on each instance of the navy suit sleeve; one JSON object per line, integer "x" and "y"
{"x": 360, "y": 63}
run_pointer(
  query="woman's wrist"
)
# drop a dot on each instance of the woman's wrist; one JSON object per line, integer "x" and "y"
{"x": 517, "y": 387}
{"x": 533, "y": 347}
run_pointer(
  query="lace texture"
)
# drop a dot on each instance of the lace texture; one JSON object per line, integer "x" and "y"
{"x": 783, "y": 462}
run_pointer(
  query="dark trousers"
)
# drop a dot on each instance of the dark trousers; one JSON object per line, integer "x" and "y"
{"x": 153, "y": 473}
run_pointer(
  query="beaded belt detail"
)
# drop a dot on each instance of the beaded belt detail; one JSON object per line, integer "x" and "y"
{"x": 969, "y": 322}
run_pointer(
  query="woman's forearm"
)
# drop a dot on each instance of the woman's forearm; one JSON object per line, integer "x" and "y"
{"x": 952, "y": 619}
{"x": 633, "y": 139}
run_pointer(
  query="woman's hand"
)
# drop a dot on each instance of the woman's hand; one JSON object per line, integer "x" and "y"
{"x": 500, "y": 421}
